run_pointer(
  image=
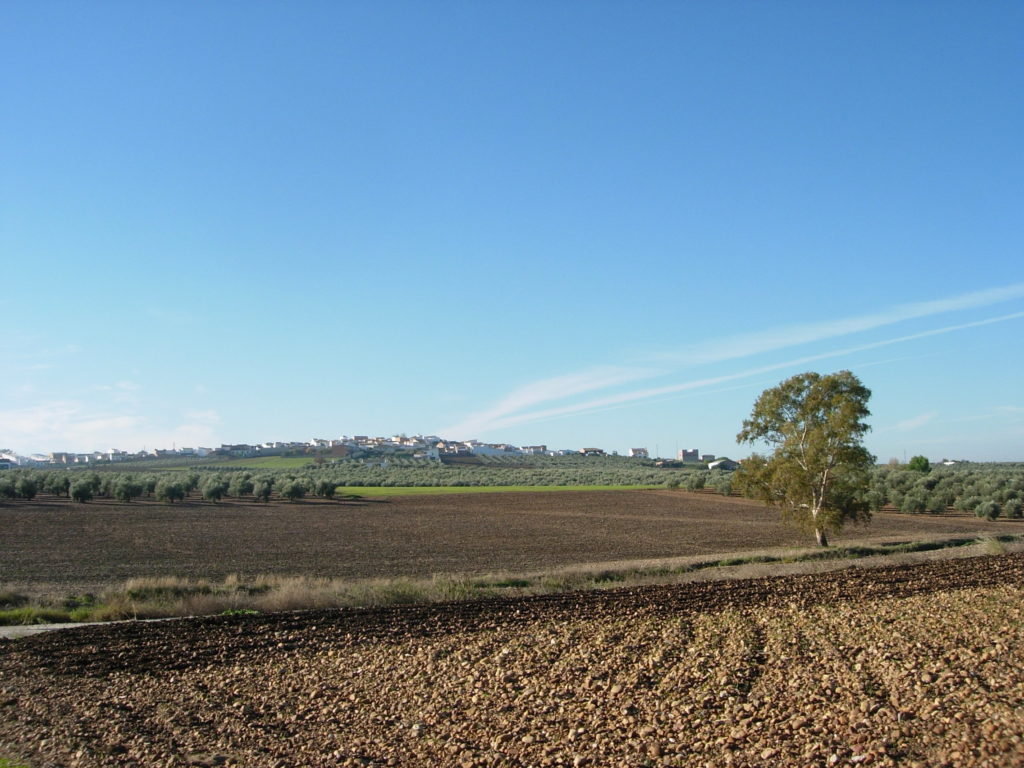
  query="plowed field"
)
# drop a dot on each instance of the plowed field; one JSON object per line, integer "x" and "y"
{"x": 914, "y": 665}
{"x": 83, "y": 547}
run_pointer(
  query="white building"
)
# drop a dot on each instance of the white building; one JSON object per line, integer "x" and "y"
{"x": 726, "y": 464}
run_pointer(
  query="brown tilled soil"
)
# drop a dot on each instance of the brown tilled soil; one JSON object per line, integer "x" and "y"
{"x": 84, "y": 547}
{"x": 913, "y": 665}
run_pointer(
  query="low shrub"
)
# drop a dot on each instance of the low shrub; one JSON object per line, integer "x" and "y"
{"x": 988, "y": 509}
{"x": 695, "y": 481}
{"x": 33, "y": 614}
{"x": 12, "y": 600}
{"x": 968, "y": 503}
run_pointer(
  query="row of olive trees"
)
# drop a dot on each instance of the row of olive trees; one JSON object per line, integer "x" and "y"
{"x": 985, "y": 490}
{"x": 214, "y": 484}
{"x": 169, "y": 487}
{"x": 988, "y": 491}
{"x": 588, "y": 472}
{"x": 715, "y": 479}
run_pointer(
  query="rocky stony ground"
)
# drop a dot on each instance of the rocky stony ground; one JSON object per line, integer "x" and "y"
{"x": 914, "y": 665}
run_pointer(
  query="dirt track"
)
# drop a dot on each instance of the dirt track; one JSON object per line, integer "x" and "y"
{"x": 908, "y": 665}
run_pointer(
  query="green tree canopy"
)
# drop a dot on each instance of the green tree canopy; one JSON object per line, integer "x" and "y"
{"x": 81, "y": 491}
{"x": 26, "y": 487}
{"x": 128, "y": 488}
{"x": 214, "y": 488}
{"x": 170, "y": 490}
{"x": 919, "y": 464}
{"x": 240, "y": 485}
{"x": 261, "y": 489}
{"x": 325, "y": 488}
{"x": 818, "y": 471}
{"x": 292, "y": 489}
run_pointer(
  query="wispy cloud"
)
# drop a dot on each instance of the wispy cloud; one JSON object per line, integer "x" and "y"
{"x": 199, "y": 429}
{"x": 209, "y": 416}
{"x": 63, "y": 425}
{"x": 1011, "y": 414}
{"x": 523, "y": 404}
{"x": 25, "y": 353}
{"x": 916, "y": 422}
{"x": 101, "y": 427}
{"x": 35, "y": 419}
{"x": 545, "y": 391}
{"x": 509, "y": 418}
{"x": 746, "y": 385}
{"x": 119, "y": 386}
{"x": 781, "y": 337}
{"x": 122, "y": 392}
{"x": 72, "y": 426}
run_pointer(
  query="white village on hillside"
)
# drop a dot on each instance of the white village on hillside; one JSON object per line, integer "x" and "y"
{"x": 427, "y": 447}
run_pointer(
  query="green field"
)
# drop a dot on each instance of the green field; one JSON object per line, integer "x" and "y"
{"x": 438, "y": 490}
{"x": 265, "y": 462}
{"x": 211, "y": 462}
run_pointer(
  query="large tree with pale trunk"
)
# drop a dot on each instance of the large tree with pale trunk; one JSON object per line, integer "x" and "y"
{"x": 819, "y": 469}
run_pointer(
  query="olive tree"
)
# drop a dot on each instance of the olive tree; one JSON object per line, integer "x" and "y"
{"x": 325, "y": 488}
{"x": 26, "y": 487}
{"x": 990, "y": 510}
{"x": 695, "y": 481}
{"x": 170, "y": 490}
{"x": 128, "y": 488}
{"x": 57, "y": 483}
{"x": 819, "y": 471}
{"x": 262, "y": 487}
{"x": 241, "y": 485}
{"x": 292, "y": 489}
{"x": 81, "y": 491}
{"x": 915, "y": 502}
{"x": 214, "y": 489}
{"x": 1013, "y": 509}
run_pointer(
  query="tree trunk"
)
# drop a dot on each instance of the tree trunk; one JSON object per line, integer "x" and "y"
{"x": 822, "y": 538}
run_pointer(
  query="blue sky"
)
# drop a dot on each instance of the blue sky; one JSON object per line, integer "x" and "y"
{"x": 607, "y": 224}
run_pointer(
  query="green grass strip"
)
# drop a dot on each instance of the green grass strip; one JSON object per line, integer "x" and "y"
{"x": 263, "y": 462}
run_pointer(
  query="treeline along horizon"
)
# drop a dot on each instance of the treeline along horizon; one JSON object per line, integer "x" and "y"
{"x": 325, "y": 481}
{"x": 986, "y": 490}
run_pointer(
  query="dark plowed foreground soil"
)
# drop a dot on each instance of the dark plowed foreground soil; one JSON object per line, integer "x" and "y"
{"x": 84, "y": 547}
{"x": 913, "y": 665}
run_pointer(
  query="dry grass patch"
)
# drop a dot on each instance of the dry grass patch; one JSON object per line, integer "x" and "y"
{"x": 166, "y": 596}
